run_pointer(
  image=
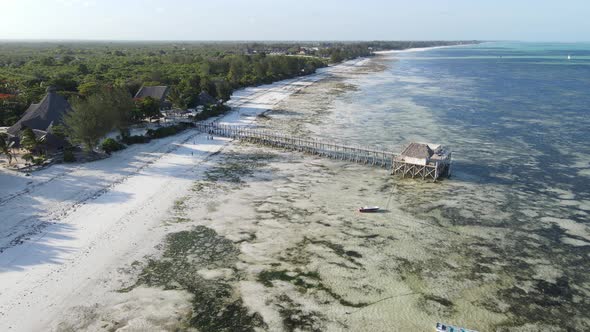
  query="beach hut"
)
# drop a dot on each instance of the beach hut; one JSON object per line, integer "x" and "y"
{"x": 206, "y": 99}
{"x": 49, "y": 142}
{"x": 417, "y": 153}
{"x": 41, "y": 118}
{"x": 424, "y": 160}
{"x": 159, "y": 93}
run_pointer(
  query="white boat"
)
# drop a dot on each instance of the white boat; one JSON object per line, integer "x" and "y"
{"x": 569, "y": 57}
{"x": 369, "y": 209}
{"x": 440, "y": 327}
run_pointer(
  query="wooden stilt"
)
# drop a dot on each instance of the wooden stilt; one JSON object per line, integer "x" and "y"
{"x": 358, "y": 154}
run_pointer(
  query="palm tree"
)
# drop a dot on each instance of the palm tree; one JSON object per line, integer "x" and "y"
{"x": 5, "y": 147}
{"x": 29, "y": 140}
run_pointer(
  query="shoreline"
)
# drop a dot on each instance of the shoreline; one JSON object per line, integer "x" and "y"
{"x": 117, "y": 214}
{"x": 415, "y": 49}
{"x": 85, "y": 221}
{"x": 418, "y": 49}
{"x": 259, "y": 234}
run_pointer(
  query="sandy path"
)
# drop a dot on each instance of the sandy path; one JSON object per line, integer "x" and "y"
{"x": 65, "y": 230}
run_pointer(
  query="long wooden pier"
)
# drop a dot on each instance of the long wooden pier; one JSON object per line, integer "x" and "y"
{"x": 313, "y": 146}
{"x": 325, "y": 148}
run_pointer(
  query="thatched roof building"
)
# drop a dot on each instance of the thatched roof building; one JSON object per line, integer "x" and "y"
{"x": 206, "y": 99}
{"x": 42, "y": 116}
{"x": 159, "y": 93}
{"x": 50, "y": 141}
{"x": 418, "y": 153}
{"x": 418, "y": 150}
{"x": 423, "y": 160}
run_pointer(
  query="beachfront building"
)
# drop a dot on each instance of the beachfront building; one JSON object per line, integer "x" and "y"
{"x": 41, "y": 118}
{"x": 159, "y": 93}
{"x": 206, "y": 99}
{"x": 423, "y": 160}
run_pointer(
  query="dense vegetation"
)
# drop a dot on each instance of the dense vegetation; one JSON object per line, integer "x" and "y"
{"x": 168, "y": 130}
{"x": 27, "y": 68}
{"x": 110, "y": 145}
{"x": 95, "y": 115}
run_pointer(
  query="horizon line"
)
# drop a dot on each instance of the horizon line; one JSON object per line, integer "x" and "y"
{"x": 282, "y": 40}
{"x": 239, "y": 40}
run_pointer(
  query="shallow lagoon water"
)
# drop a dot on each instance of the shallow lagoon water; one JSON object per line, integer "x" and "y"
{"x": 503, "y": 245}
{"x": 507, "y": 238}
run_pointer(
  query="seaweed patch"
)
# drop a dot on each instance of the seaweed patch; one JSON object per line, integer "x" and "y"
{"x": 217, "y": 306}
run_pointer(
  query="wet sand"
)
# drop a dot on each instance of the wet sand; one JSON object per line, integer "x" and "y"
{"x": 270, "y": 240}
{"x": 73, "y": 236}
{"x": 307, "y": 260}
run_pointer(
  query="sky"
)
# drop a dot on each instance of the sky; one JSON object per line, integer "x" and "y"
{"x": 525, "y": 20}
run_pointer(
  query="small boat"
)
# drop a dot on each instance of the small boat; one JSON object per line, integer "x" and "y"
{"x": 369, "y": 209}
{"x": 569, "y": 57}
{"x": 440, "y": 327}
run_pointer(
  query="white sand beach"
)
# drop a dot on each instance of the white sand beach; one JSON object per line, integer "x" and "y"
{"x": 187, "y": 233}
{"x": 412, "y": 50}
{"x": 66, "y": 231}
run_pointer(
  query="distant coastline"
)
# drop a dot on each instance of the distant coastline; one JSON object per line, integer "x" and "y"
{"x": 422, "y": 49}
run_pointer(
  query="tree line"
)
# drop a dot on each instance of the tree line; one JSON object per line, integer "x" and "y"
{"x": 25, "y": 72}
{"x": 218, "y": 68}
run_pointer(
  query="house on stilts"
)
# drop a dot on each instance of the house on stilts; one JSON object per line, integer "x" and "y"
{"x": 426, "y": 161}
{"x": 423, "y": 160}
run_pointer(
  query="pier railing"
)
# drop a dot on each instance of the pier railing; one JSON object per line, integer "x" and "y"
{"x": 325, "y": 148}
{"x": 333, "y": 150}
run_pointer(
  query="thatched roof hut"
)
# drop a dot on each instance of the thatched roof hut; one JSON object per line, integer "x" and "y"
{"x": 50, "y": 141}
{"x": 42, "y": 116}
{"x": 206, "y": 99}
{"x": 417, "y": 153}
{"x": 157, "y": 92}
{"x": 423, "y": 160}
{"x": 418, "y": 150}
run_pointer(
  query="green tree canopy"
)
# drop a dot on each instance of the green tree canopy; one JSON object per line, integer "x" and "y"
{"x": 88, "y": 88}
{"x": 120, "y": 105}
{"x": 5, "y": 148}
{"x": 147, "y": 107}
{"x": 178, "y": 98}
{"x": 29, "y": 140}
{"x": 95, "y": 116}
{"x": 223, "y": 89}
{"x": 208, "y": 85}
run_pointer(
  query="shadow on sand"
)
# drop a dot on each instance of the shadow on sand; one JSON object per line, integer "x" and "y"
{"x": 40, "y": 248}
